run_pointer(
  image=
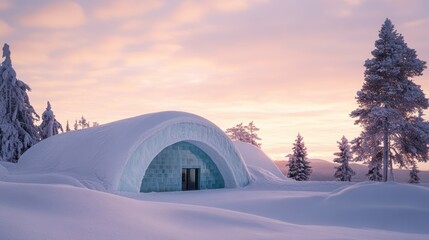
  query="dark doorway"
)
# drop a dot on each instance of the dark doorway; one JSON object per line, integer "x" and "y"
{"x": 190, "y": 179}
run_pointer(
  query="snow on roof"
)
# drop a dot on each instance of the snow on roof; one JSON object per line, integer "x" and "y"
{"x": 115, "y": 156}
{"x": 256, "y": 158}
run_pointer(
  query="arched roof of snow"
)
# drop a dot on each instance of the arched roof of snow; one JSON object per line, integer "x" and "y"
{"x": 256, "y": 158}
{"x": 115, "y": 156}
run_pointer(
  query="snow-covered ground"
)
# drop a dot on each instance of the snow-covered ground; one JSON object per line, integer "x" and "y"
{"x": 47, "y": 206}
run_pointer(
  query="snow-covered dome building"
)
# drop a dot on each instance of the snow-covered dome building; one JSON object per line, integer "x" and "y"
{"x": 166, "y": 151}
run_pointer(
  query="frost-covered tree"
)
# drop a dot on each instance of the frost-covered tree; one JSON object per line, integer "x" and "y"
{"x": 238, "y": 133}
{"x": 343, "y": 172}
{"x": 83, "y": 123}
{"x": 414, "y": 178}
{"x": 390, "y": 103}
{"x": 17, "y": 130}
{"x": 49, "y": 126}
{"x": 253, "y": 136}
{"x": 370, "y": 152}
{"x": 298, "y": 166}
{"x": 244, "y": 133}
{"x": 374, "y": 168}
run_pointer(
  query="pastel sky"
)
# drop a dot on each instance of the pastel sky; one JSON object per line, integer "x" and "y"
{"x": 288, "y": 65}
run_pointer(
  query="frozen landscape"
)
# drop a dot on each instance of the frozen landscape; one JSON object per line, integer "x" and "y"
{"x": 52, "y": 206}
{"x": 287, "y": 68}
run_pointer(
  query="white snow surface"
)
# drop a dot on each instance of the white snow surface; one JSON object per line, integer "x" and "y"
{"x": 115, "y": 156}
{"x": 263, "y": 210}
{"x": 52, "y": 205}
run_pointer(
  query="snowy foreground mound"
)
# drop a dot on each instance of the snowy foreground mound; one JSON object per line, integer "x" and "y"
{"x": 266, "y": 209}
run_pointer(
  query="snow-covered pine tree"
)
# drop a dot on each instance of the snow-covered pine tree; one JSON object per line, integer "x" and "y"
{"x": 343, "y": 172}
{"x": 374, "y": 168}
{"x": 370, "y": 152}
{"x": 244, "y": 133}
{"x": 17, "y": 130}
{"x": 299, "y": 167}
{"x": 414, "y": 177}
{"x": 49, "y": 126}
{"x": 83, "y": 123}
{"x": 389, "y": 101}
{"x": 253, "y": 136}
{"x": 76, "y": 125}
{"x": 238, "y": 133}
{"x": 292, "y": 167}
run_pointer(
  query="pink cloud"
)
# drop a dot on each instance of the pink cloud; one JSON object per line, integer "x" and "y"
{"x": 5, "y": 29}
{"x": 124, "y": 9}
{"x": 57, "y": 15}
{"x": 5, "y": 4}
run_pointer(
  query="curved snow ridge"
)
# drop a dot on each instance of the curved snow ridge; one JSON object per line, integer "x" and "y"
{"x": 115, "y": 156}
{"x": 28, "y": 210}
{"x": 51, "y": 178}
{"x": 392, "y": 206}
{"x": 263, "y": 176}
{"x": 254, "y": 156}
{"x": 390, "y": 194}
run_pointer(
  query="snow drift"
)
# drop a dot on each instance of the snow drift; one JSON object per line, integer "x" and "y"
{"x": 256, "y": 158}
{"x": 45, "y": 211}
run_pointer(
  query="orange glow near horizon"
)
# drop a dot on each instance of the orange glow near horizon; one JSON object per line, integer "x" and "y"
{"x": 289, "y": 66}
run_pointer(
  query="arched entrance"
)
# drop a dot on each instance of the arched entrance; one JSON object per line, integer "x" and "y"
{"x": 181, "y": 166}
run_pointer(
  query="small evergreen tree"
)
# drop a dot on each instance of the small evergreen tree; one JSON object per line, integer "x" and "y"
{"x": 299, "y": 167}
{"x": 370, "y": 152}
{"x": 343, "y": 172}
{"x": 374, "y": 168}
{"x": 17, "y": 130}
{"x": 49, "y": 126}
{"x": 67, "y": 127}
{"x": 414, "y": 178}
{"x": 76, "y": 125}
{"x": 83, "y": 123}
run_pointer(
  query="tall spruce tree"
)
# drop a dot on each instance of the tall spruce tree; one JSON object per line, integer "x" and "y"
{"x": 49, "y": 126}
{"x": 299, "y": 167}
{"x": 17, "y": 129}
{"x": 343, "y": 172}
{"x": 390, "y": 103}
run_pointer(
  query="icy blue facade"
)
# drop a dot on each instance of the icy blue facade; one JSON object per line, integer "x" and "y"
{"x": 204, "y": 135}
{"x": 165, "y": 171}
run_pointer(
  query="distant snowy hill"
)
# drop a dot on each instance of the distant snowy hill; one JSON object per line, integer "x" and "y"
{"x": 324, "y": 171}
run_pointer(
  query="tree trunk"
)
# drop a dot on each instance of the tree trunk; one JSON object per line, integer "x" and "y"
{"x": 385, "y": 149}
{"x": 50, "y": 128}
{"x": 391, "y": 178}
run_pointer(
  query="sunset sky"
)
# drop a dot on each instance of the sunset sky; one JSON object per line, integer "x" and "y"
{"x": 289, "y": 66}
